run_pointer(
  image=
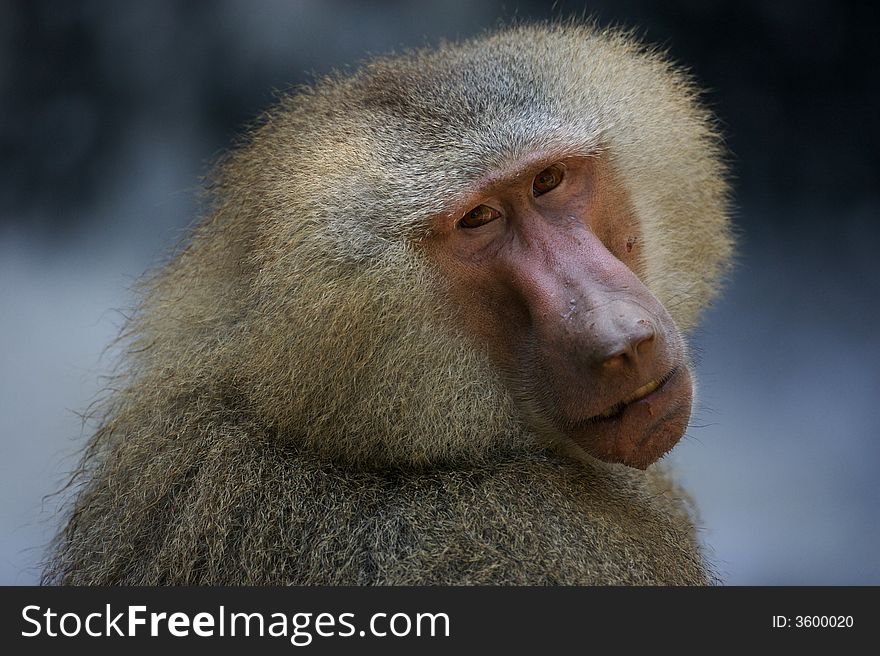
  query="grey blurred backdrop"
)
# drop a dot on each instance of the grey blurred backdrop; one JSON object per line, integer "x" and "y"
{"x": 111, "y": 111}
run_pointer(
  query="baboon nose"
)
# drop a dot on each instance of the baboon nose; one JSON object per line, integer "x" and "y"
{"x": 634, "y": 343}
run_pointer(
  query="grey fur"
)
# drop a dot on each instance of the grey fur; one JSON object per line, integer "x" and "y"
{"x": 296, "y": 404}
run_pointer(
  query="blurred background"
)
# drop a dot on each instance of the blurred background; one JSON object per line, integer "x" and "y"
{"x": 111, "y": 111}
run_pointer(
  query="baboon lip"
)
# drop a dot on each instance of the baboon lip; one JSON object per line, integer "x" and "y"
{"x": 643, "y": 429}
{"x": 639, "y": 394}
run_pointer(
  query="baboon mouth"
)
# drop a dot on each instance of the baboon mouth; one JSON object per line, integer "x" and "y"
{"x": 642, "y": 392}
{"x": 642, "y": 427}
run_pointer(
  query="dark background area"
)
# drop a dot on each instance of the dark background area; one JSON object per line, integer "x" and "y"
{"x": 111, "y": 111}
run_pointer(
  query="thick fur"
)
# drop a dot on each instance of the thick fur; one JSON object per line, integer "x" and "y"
{"x": 297, "y": 404}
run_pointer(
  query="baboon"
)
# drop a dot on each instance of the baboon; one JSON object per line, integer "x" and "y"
{"x": 429, "y": 332}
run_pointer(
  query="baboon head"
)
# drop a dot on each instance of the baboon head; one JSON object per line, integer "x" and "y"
{"x": 490, "y": 246}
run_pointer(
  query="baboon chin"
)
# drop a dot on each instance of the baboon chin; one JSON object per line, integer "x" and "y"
{"x": 430, "y": 331}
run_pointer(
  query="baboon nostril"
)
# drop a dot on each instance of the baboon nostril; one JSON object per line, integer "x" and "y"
{"x": 632, "y": 345}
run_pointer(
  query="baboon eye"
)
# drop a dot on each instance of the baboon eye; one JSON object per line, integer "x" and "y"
{"x": 479, "y": 216}
{"x": 548, "y": 179}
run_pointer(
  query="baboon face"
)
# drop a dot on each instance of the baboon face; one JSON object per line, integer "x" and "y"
{"x": 543, "y": 259}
